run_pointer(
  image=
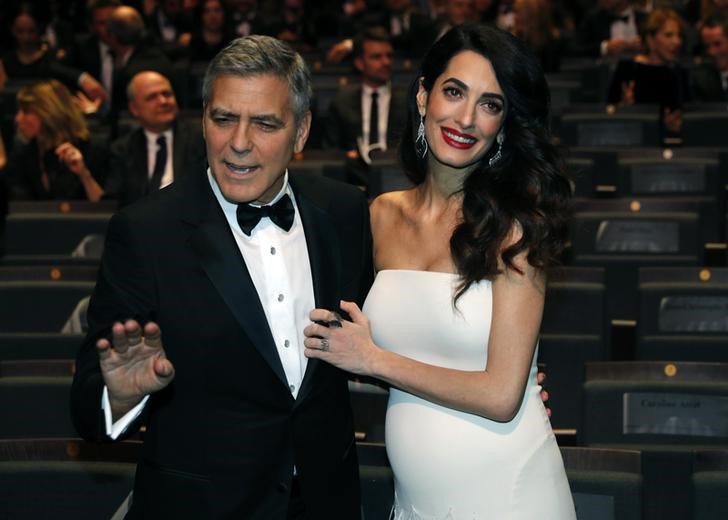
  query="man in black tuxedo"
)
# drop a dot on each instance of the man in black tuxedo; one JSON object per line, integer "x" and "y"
{"x": 138, "y": 165}
{"x": 350, "y": 115}
{"x": 196, "y": 323}
{"x": 709, "y": 78}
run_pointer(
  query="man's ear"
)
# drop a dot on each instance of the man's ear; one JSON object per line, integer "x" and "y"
{"x": 422, "y": 99}
{"x": 359, "y": 64}
{"x": 302, "y": 132}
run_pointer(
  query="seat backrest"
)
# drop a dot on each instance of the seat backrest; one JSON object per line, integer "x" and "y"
{"x": 655, "y": 403}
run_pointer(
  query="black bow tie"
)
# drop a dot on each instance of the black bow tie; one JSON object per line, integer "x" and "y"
{"x": 281, "y": 213}
{"x": 624, "y": 19}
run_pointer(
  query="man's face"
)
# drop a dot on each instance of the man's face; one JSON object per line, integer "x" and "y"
{"x": 458, "y": 11}
{"x": 375, "y": 64}
{"x": 251, "y": 135}
{"x": 154, "y": 103}
{"x": 99, "y": 18}
{"x": 715, "y": 42}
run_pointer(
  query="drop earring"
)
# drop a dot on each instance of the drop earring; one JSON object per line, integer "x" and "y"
{"x": 420, "y": 141}
{"x": 497, "y": 155}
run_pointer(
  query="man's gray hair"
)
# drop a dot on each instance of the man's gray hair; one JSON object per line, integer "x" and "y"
{"x": 256, "y": 55}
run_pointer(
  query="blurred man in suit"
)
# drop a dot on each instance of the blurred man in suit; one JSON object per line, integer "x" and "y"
{"x": 351, "y": 113}
{"x": 710, "y": 77}
{"x": 164, "y": 148}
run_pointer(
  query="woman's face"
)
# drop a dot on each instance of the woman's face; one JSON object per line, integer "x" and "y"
{"x": 665, "y": 44}
{"x": 25, "y": 32}
{"x": 463, "y": 112}
{"x": 28, "y": 123}
{"x": 213, "y": 16}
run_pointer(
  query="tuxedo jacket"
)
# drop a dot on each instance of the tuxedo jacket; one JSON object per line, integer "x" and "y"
{"x": 343, "y": 123}
{"x": 223, "y": 438}
{"x": 128, "y": 179}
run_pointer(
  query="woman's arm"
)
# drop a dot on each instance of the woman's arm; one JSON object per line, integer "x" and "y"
{"x": 72, "y": 157}
{"x": 495, "y": 392}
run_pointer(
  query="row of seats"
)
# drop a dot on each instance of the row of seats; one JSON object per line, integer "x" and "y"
{"x": 66, "y": 478}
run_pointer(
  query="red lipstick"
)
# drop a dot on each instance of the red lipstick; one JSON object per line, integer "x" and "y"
{"x": 457, "y": 139}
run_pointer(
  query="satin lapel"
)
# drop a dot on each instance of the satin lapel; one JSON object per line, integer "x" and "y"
{"x": 324, "y": 257}
{"x": 220, "y": 258}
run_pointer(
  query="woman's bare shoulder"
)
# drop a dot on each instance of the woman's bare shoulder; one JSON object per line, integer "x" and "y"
{"x": 388, "y": 206}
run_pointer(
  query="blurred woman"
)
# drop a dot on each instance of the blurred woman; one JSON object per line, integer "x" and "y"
{"x": 534, "y": 25}
{"x": 54, "y": 157}
{"x": 212, "y": 32}
{"x": 655, "y": 77}
{"x": 29, "y": 57}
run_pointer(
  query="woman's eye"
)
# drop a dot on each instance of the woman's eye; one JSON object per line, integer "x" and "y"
{"x": 452, "y": 92}
{"x": 493, "y": 107}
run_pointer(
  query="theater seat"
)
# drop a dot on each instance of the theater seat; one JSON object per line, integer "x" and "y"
{"x": 64, "y": 478}
{"x": 606, "y": 484}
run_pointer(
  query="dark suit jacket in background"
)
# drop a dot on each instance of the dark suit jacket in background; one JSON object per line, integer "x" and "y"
{"x": 128, "y": 179}
{"x": 223, "y": 438}
{"x": 343, "y": 123}
{"x": 706, "y": 83}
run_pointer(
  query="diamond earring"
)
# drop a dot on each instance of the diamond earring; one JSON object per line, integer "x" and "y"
{"x": 497, "y": 156}
{"x": 420, "y": 141}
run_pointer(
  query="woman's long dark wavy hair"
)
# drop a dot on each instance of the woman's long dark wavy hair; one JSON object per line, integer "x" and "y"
{"x": 528, "y": 185}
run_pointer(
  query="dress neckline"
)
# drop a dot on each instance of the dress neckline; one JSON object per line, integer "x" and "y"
{"x": 416, "y": 271}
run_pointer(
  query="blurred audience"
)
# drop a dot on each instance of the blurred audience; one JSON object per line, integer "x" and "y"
{"x": 655, "y": 77}
{"x": 170, "y": 27}
{"x": 295, "y": 25}
{"x": 161, "y": 149}
{"x": 53, "y": 156}
{"x": 246, "y": 17}
{"x": 709, "y": 78}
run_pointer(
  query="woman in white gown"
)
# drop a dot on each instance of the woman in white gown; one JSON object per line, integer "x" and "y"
{"x": 452, "y": 320}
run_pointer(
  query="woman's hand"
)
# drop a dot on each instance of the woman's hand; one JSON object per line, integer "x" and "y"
{"x": 72, "y": 157}
{"x": 672, "y": 120}
{"x": 345, "y": 344}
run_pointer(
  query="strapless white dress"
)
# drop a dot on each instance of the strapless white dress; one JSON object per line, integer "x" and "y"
{"x": 447, "y": 464}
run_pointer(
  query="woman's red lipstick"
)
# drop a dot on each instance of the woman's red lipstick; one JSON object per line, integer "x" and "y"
{"x": 457, "y": 139}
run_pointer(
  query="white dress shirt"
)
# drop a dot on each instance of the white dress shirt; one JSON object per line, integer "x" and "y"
{"x": 278, "y": 264}
{"x": 168, "y": 175}
{"x": 385, "y": 95}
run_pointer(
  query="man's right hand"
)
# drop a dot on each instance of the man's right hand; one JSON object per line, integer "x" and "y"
{"x": 133, "y": 364}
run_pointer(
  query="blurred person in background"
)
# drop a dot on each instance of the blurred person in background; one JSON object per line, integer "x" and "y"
{"x": 533, "y": 23}
{"x": 656, "y": 76}
{"x": 349, "y": 118}
{"x": 709, "y": 78}
{"x": 54, "y": 156}
{"x": 162, "y": 149}
{"x": 212, "y": 31}
{"x": 609, "y": 30}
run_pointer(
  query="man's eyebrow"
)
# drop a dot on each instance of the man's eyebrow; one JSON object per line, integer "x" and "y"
{"x": 217, "y": 112}
{"x": 268, "y": 118}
